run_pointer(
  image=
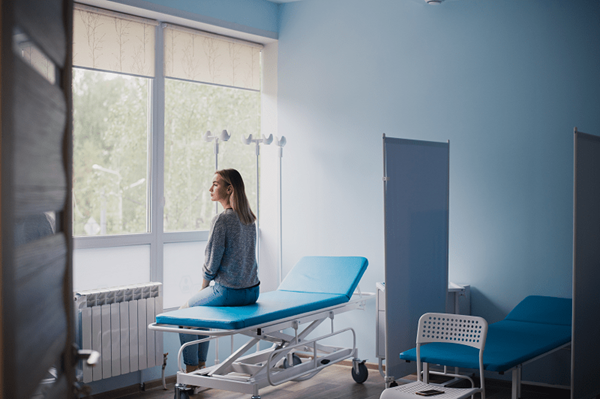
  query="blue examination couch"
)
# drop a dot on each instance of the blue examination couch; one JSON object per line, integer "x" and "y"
{"x": 314, "y": 291}
{"x": 537, "y": 326}
{"x": 316, "y": 282}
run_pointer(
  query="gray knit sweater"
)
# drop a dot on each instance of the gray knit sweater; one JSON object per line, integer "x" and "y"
{"x": 230, "y": 255}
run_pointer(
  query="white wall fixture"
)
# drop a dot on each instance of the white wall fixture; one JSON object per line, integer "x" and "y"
{"x": 264, "y": 140}
{"x": 114, "y": 322}
{"x": 433, "y": 1}
{"x": 224, "y": 136}
{"x": 280, "y": 142}
{"x": 208, "y": 137}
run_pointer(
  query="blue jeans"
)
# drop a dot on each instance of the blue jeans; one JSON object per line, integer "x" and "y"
{"x": 213, "y": 295}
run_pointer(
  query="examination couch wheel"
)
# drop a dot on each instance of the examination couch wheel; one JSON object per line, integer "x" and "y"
{"x": 182, "y": 391}
{"x": 296, "y": 360}
{"x": 363, "y": 373}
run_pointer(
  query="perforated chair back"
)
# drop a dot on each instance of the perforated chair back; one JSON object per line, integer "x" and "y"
{"x": 456, "y": 329}
{"x": 452, "y": 328}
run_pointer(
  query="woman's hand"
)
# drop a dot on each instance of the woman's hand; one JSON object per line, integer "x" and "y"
{"x": 205, "y": 283}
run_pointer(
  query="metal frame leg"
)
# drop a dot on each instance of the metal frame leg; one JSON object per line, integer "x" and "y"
{"x": 520, "y": 376}
{"x": 516, "y": 382}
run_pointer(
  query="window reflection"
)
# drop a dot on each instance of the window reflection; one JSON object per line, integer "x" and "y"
{"x": 31, "y": 54}
{"x": 46, "y": 384}
{"x": 34, "y": 227}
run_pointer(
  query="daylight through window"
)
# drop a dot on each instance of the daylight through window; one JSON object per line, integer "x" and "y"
{"x": 211, "y": 83}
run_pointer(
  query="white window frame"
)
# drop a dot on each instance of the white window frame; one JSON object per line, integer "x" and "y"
{"x": 156, "y": 238}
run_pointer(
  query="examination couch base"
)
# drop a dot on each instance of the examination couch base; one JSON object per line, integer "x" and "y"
{"x": 313, "y": 292}
{"x": 248, "y": 373}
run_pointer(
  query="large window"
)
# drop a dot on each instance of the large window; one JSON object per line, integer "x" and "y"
{"x": 114, "y": 63}
{"x": 110, "y": 153}
{"x": 140, "y": 119}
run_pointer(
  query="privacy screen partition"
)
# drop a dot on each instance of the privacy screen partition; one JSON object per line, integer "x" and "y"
{"x": 585, "y": 367}
{"x": 416, "y": 191}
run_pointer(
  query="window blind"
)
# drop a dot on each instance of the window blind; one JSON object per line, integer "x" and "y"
{"x": 204, "y": 57}
{"x": 113, "y": 41}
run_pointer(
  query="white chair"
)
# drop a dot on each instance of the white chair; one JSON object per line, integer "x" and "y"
{"x": 451, "y": 328}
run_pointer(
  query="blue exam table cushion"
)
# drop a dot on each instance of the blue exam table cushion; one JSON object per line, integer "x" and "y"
{"x": 326, "y": 275}
{"x": 509, "y": 342}
{"x": 314, "y": 283}
{"x": 543, "y": 309}
{"x": 270, "y": 306}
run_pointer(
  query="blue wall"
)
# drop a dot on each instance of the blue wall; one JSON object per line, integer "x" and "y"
{"x": 258, "y": 17}
{"x": 504, "y": 81}
{"x": 260, "y": 14}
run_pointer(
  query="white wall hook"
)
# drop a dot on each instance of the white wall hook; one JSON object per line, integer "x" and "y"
{"x": 267, "y": 140}
{"x": 225, "y": 135}
{"x": 280, "y": 142}
{"x": 247, "y": 140}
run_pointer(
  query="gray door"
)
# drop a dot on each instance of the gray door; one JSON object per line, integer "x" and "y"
{"x": 35, "y": 182}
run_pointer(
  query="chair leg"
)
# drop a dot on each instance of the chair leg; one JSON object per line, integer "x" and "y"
{"x": 426, "y": 373}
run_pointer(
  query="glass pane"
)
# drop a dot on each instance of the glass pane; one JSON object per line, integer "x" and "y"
{"x": 191, "y": 109}
{"x": 110, "y": 267}
{"x": 110, "y": 153}
{"x": 184, "y": 262}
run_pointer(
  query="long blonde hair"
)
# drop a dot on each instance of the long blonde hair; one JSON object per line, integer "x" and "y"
{"x": 239, "y": 201}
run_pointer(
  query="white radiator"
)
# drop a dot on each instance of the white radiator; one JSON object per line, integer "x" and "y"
{"x": 114, "y": 322}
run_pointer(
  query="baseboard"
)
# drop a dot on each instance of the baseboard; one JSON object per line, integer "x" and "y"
{"x": 133, "y": 389}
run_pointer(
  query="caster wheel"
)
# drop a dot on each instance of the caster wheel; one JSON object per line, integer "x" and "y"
{"x": 363, "y": 373}
{"x": 296, "y": 361}
{"x": 182, "y": 395}
{"x": 182, "y": 391}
